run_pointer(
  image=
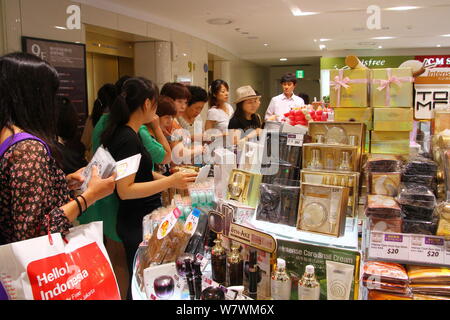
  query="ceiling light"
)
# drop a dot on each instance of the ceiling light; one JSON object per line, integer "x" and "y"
{"x": 402, "y": 8}
{"x": 438, "y": 45}
{"x": 380, "y": 47}
{"x": 266, "y": 44}
{"x": 323, "y": 40}
{"x": 383, "y": 38}
{"x": 219, "y": 21}
{"x": 283, "y": 59}
{"x": 445, "y": 35}
{"x": 184, "y": 54}
{"x": 322, "y": 46}
{"x": 61, "y": 28}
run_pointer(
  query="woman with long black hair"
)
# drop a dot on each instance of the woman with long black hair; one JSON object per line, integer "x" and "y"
{"x": 34, "y": 194}
{"x": 139, "y": 193}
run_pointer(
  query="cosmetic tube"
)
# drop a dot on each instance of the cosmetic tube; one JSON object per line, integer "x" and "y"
{"x": 253, "y": 275}
{"x": 339, "y": 280}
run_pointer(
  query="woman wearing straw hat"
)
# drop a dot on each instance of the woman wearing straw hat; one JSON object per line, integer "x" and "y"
{"x": 245, "y": 117}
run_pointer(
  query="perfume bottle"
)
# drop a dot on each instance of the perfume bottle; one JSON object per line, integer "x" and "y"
{"x": 316, "y": 162}
{"x": 235, "y": 187}
{"x": 235, "y": 266}
{"x": 219, "y": 261}
{"x": 329, "y": 161}
{"x": 197, "y": 279}
{"x": 253, "y": 275}
{"x": 308, "y": 286}
{"x": 345, "y": 163}
{"x": 280, "y": 282}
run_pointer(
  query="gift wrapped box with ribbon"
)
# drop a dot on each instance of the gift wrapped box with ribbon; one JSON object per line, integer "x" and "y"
{"x": 392, "y": 87}
{"x": 349, "y": 87}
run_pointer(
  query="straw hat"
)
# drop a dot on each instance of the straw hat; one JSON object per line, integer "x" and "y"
{"x": 245, "y": 93}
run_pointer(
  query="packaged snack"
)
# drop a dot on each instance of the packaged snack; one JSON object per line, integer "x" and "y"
{"x": 385, "y": 224}
{"x": 419, "y": 165}
{"x": 428, "y": 275}
{"x": 269, "y": 203}
{"x": 384, "y": 183}
{"x": 417, "y": 201}
{"x": 428, "y": 297}
{"x": 420, "y": 227}
{"x": 387, "y": 272}
{"x": 382, "y": 207}
{"x": 383, "y": 163}
{"x": 380, "y": 295}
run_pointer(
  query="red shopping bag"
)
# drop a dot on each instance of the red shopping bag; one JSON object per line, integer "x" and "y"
{"x": 78, "y": 269}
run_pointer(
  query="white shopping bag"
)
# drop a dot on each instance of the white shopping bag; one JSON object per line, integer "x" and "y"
{"x": 76, "y": 269}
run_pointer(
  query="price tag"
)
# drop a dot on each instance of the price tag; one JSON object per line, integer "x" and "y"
{"x": 427, "y": 249}
{"x": 295, "y": 140}
{"x": 389, "y": 246}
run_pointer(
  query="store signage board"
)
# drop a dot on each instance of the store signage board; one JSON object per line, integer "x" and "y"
{"x": 440, "y": 61}
{"x": 69, "y": 60}
{"x": 219, "y": 223}
{"x": 409, "y": 248}
{"x": 432, "y": 93}
{"x": 374, "y": 62}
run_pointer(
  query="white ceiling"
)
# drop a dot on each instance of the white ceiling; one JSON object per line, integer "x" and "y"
{"x": 271, "y": 21}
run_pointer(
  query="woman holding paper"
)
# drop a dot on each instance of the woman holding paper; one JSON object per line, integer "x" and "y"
{"x": 138, "y": 193}
{"x": 34, "y": 195}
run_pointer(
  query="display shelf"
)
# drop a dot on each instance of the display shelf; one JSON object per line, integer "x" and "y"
{"x": 349, "y": 241}
{"x": 404, "y": 248}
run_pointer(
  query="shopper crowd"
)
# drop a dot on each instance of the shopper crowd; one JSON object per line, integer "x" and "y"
{"x": 43, "y": 154}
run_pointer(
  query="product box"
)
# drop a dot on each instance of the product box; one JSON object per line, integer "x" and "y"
{"x": 364, "y": 115}
{"x": 335, "y": 178}
{"x": 318, "y": 156}
{"x": 243, "y": 186}
{"x": 389, "y": 142}
{"x": 349, "y": 88}
{"x": 322, "y": 209}
{"x": 441, "y": 121}
{"x": 393, "y": 119}
{"x": 392, "y": 87}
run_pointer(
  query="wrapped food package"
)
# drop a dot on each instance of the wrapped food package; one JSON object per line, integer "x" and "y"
{"x": 428, "y": 275}
{"x": 382, "y": 207}
{"x": 383, "y": 163}
{"x": 417, "y": 201}
{"x": 385, "y": 224}
{"x": 381, "y": 295}
{"x": 386, "y": 272}
{"x": 420, "y": 227}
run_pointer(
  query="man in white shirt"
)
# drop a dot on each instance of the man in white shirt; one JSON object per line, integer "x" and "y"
{"x": 284, "y": 102}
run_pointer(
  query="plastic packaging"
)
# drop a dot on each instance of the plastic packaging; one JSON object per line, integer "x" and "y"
{"x": 382, "y": 207}
{"x": 269, "y": 203}
{"x": 383, "y": 163}
{"x": 417, "y": 201}
{"x": 393, "y": 224}
{"x": 385, "y": 272}
{"x": 420, "y": 227}
{"x": 419, "y": 165}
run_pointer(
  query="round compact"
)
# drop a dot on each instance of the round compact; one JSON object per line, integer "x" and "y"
{"x": 336, "y": 135}
{"x": 314, "y": 215}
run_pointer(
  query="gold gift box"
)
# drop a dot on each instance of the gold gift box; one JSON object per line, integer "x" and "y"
{"x": 441, "y": 121}
{"x": 243, "y": 187}
{"x": 364, "y": 115}
{"x": 393, "y": 119}
{"x": 322, "y": 209}
{"x": 400, "y": 94}
{"x": 389, "y": 142}
{"x": 330, "y": 157}
{"x": 356, "y": 95}
{"x": 335, "y": 178}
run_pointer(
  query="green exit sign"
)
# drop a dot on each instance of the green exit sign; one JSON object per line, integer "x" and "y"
{"x": 300, "y": 74}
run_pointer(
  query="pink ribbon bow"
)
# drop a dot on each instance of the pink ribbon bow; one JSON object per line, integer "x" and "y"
{"x": 341, "y": 81}
{"x": 386, "y": 84}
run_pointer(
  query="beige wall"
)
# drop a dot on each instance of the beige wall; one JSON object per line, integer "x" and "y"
{"x": 39, "y": 18}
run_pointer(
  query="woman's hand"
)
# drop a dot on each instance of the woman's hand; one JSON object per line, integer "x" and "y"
{"x": 181, "y": 180}
{"x": 99, "y": 188}
{"x": 154, "y": 123}
{"x": 75, "y": 180}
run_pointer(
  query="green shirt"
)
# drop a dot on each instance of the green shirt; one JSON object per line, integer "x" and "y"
{"x": 106, "y": 209}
